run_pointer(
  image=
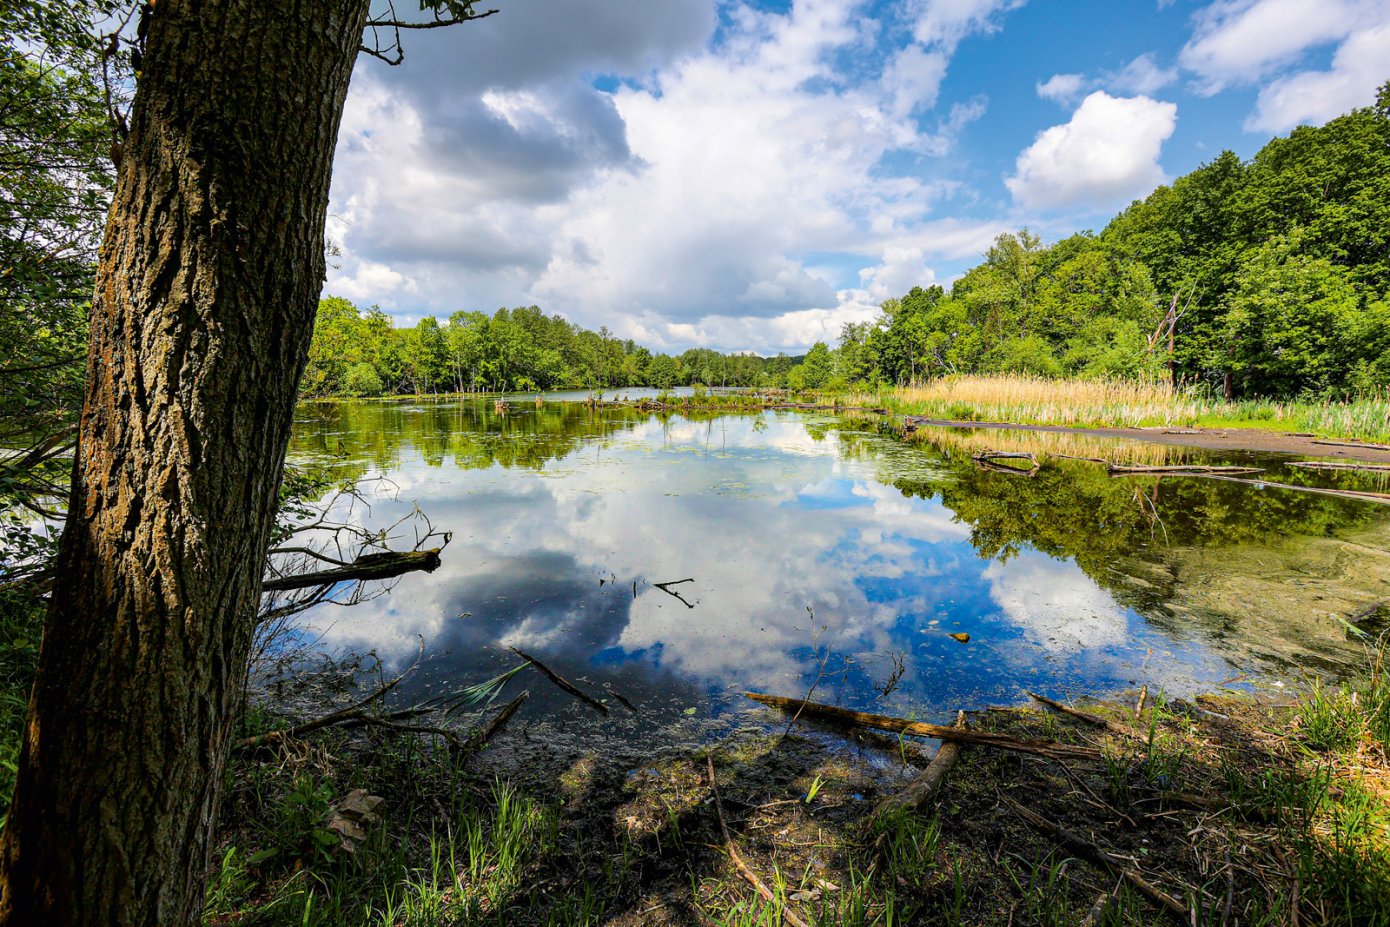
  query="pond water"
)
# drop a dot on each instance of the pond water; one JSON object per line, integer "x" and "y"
{"x": 826, "y": 551}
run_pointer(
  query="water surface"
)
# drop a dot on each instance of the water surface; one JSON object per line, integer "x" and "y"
{"x": 825, "y": 551}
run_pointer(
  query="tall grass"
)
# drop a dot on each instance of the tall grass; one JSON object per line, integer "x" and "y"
{"x": 1127, "y": 404}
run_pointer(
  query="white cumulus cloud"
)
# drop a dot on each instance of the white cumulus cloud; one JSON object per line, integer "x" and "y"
{"x": 1360, "y": 65}
{"x": 1105, "y": 155}
{"x": 1237, "y": 42}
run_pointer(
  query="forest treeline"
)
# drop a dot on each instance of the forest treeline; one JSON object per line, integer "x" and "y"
{"x": 1267, "y": 277}
{"x": 356, "y": 353}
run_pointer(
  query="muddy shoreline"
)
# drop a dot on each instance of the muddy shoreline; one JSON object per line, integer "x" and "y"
{"x": 1216, "y": 439}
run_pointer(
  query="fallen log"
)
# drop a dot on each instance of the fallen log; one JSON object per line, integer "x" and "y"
{"x": 924, "y": 788}
{"x": 1364, "y": 447}
{"x": 1078, "y": 844}
{"x": 1113, "y": 726}
{"x": 385, "y": 565}
{"x": 1045, "y": 748}
{"x": 1177, "y": 470}
{"x": 562, "y": 682}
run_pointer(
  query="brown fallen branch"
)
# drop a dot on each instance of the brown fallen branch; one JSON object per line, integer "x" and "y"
{"x": 1045, "y": 748}
{"x": 479, "y": 738}
{"x": 1364, "y": 447}
{"x": 1078, "y": 844}
{"x": 1114, "y": 727}
{"x": 924, "y": 788}
{"x": 351, "y": 716}
{"x": 562, "y": 682}
{"x": 987, "y": 460}
{"x": 1329, "y": 465}
{"x": 1177, "y": 470}
{"x": 739, "y": 864}
{"x": 384, "y": 565}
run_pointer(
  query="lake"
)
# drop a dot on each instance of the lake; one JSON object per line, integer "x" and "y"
{"x": 828, "y": 552}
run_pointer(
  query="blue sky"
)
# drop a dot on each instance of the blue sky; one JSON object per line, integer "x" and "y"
{"x": 751, "y": 176}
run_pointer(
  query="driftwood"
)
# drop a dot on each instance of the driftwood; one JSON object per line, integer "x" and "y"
{"x": 1364, "y": 447}
{"x": 1078, "y": 844}
{"x": 1330, "y": 465}
{"x": 924, "y": 788}
{"x": 1113, "y": 726}
{"x": 562, "y": 682}
{"x": 1177, "y": 470}
{"x": 384, "y": 565}
{"x": 1045, "y": 748}
{"x": 737, "y": 860}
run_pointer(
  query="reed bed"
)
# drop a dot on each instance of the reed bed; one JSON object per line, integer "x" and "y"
{"x": 1128, "y": 404}
{"x": 1051, "y": 444}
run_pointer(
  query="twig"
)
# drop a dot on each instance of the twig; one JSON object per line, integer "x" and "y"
{"x": 665, "y": 587}
{"x": 562, "y": 682}
{"x": 1113, "y": 726}
{"x": 479, "y": 739}
{"x": 738, "y": 862}
{"x": 351, "y": 716}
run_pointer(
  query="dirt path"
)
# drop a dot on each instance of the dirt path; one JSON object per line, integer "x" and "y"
{"x": 1219, "y": 439}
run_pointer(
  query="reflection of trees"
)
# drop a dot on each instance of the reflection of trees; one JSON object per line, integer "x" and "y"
{"x": 1115, "y": 527}
{"x": 471, "y": 434}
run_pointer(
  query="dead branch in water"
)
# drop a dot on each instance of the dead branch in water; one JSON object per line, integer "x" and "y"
{"x": 1113, "y": 726}
{"x": 1177, "y": 470}
{"x": 986, "y": 460}
{"x": 351, "y": 716}
{"x": 924, "y": 788}
{"x": 666, "y": 588}
{"x": 384, "y": 565}
{"x": 480, "y": 738}
{"x": 562, "y": 682}
{"x": 1045, "y": 748}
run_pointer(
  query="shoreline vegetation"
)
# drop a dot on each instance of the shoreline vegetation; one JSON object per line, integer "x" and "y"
{"x": 1016, "y": 400}
{"x": 1134, "y": 809}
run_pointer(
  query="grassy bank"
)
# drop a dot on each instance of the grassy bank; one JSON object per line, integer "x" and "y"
{"x": 1243, "y": 813}
{"x": 1127, "y": 404}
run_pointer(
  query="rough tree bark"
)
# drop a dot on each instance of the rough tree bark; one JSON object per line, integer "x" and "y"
{"x": 209, "y": 275}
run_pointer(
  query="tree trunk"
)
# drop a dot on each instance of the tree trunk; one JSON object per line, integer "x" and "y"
{"x": 211, "y": 267}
